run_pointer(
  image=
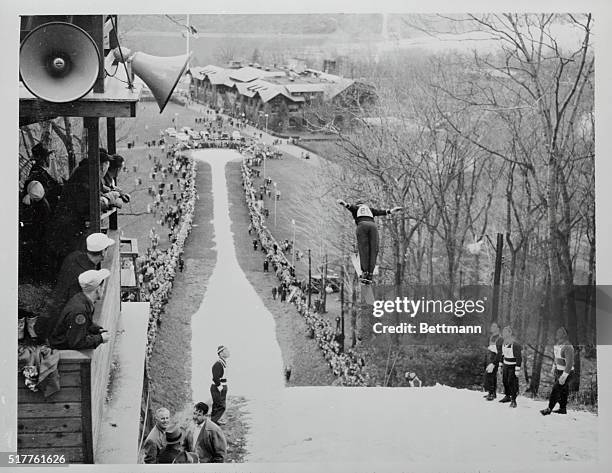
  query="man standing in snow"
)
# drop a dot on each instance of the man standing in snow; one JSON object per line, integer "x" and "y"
{"x": 511, "y": 366}
{"x": 563, "y": 371}
{"x": 205, "y": 438}
{"x": 494, "y": 356}
{"x": 413, "y": 380}
{"x": 156, "y": 440}
{"x": 218, "y": 388}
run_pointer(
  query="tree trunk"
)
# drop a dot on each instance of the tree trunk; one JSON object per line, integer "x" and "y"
{"x": 354, "y": 310}
{"x": 541, "y": 340}
{"x": 69, "y": 143}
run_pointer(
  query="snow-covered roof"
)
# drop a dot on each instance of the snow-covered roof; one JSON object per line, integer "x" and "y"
{"x": 248, "y": 74}
{"x": 215, "y": 74}
{"x": 250, "y": 81}
{"x": 300, "y": 87}
{"x": 333, "y": 89}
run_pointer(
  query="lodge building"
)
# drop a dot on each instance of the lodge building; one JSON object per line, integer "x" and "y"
{"x": 286, "y": 97}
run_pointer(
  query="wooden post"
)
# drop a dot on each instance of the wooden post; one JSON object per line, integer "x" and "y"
{"x": 111, "y": 146}
{"x": 91, "y": 124}
{"x": 86, "y": 413}
{"x": 96, "y": 31}
{"x": 323, "y": 285}
{"x": 342, "y": 303}
{"x": 111, "y": 141}
{"x": 309, "y": 275}
{"x": 497, "y": 277}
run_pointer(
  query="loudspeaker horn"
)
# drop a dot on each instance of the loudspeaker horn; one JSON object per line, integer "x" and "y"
{"x": 160, "y": 74}
{"x": 59, "y": 62}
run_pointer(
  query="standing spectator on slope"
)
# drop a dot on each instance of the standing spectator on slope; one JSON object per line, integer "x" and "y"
{"x": 511, "y": 366}
{"x": 174, "y": 452}
{"x": 205, "y": 438}
{"x": 563, "y": 371}
{"x": 413, "y": 380}
{"x": 156, "y": 440}
{"x": 218, "y": 388}
{"x": 494, "y": 356}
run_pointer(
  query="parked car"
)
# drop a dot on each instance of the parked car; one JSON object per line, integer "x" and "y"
{"x": 332, "y": 281}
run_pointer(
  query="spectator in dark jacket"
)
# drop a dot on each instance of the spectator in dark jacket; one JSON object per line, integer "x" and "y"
{"x": 174, "y": 452}
{"x": 68, "y": 227}
{"x": 34, "y": 215}
{"x": 563, "y": 372}
{"x": 156, "y": 439}
{"x": 110, "y": 179}
{"x": 494, "y": 357}
{"x": 218, "y": 388}
{"x": 205, "y": 438}
{"x": 73, "y": 265}
{"x": 75, "y": 329}
{"x": 39, "y": 172}
{"x": 511, "y": 366}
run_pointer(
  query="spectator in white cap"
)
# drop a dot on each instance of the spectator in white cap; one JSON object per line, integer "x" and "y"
{"x": 75, "y": 329}
{"x": 74, "y": 264}
{"x": 34, "y": 192}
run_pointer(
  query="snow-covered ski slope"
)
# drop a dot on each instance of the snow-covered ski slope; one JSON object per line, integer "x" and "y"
{"x": 353, "y": 427}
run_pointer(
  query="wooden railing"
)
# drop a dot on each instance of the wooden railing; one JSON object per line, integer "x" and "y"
{"x": 60, "y": 425}
{"x": 107, "y": 315}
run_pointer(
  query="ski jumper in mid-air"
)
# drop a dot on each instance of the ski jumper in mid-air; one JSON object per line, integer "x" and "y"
{"x": 367, "y": 234}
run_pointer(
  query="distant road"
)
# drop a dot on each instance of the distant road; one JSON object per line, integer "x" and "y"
{"x": 177, "y": 34}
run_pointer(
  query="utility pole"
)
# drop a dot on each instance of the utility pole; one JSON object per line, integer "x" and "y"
{"x": 275, "y": 199}
{"x": 342, "y": 303}
{"x": 497, "y": 277}
{"x": 293, "y": 245}
{"x": 188, "y": 35}
{"x": 324, "y": 286}
{"x": 309, "y": 277}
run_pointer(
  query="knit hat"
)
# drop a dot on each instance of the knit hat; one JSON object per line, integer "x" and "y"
{"x": 91, "y": 279}
{"x": 35, "y": 192}
{"x": 98, "y": 242}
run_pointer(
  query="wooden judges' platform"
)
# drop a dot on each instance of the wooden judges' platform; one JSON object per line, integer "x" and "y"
{"x": 78, "y": 420}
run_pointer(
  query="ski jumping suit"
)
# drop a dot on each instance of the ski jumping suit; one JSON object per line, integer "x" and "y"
{"x": 512, "y": 358}
{"x": 564, "y": 363}
{"x": 494, "y": 355}
{"x": 367, "y": 234}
